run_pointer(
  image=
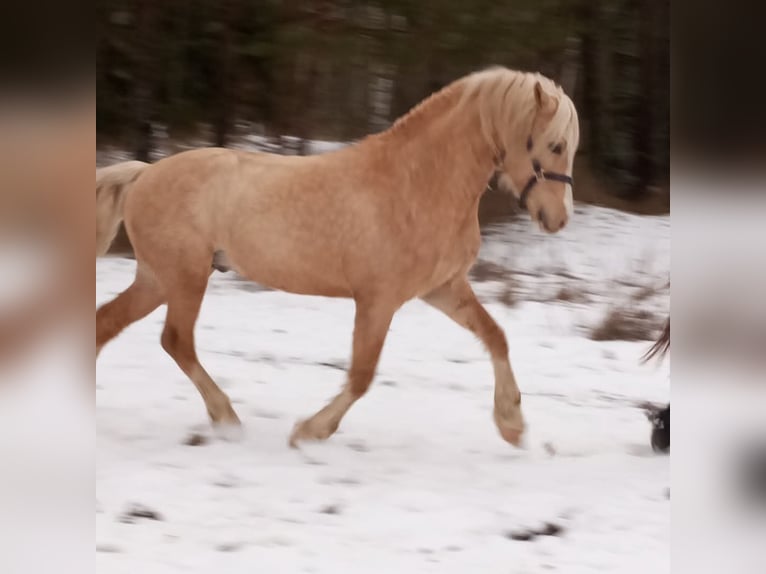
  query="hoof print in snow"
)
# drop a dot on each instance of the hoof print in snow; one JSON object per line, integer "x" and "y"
{"x": 196, "y": 439}
{"x": 345, "y": 480}
{"x": 229, "y": 547}
{"x": 548, "y": 529}
{"x": 521, "y": 535}
{"x": 551, "y": 529}
{"x": 226, "y": 481}
{"x": 262, "y": 414}
{"x": 108, "y": 549}
{"x": 337, "y": 365}
{"x": 358, "y": 447}
{"x": 137, "y": 512}
{"x": 330, "y": 509}
{"x": 549, "y": 449}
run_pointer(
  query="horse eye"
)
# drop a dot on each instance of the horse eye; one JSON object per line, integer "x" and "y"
{"x": 529, "y": 143}
{"x": 557, "y": 148}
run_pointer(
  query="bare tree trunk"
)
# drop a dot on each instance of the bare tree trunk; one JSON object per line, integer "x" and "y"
{"x": 597, "y": 77}
{"x": 570, "y": 66}
{"x": 592, "y": 79}
{"x": 381, "y": 88}
{"x": 143, "y": 97}
{"x": 225, "y": 112}
{"x": 645, "y": 117}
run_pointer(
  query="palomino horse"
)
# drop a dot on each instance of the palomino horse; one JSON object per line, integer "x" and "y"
{"x": 388, "y": 219}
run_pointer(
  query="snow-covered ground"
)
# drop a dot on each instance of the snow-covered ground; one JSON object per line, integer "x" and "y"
{"x": 417, "y": 479}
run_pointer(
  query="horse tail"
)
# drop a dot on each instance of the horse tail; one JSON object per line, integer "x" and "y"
{"x": 662, "y": 344}
{"x": 112, "y": 184}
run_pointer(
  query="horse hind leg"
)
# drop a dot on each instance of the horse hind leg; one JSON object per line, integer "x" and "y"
{"x": 136, "y": 302}
{"x": 184, "y": 301}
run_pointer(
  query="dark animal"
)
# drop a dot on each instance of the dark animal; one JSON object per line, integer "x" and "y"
{"x": 660, "y": 419}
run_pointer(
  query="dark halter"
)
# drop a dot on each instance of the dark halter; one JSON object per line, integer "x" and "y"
{"x": 539, "y": 174}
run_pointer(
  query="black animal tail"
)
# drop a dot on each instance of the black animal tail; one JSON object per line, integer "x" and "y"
{"x": 661, "y": 346}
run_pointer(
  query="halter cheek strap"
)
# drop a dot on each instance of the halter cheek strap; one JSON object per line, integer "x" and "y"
{"x": 538, "y": 175}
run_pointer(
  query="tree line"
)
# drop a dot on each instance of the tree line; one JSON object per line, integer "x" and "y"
{"x": 339, "y": 69}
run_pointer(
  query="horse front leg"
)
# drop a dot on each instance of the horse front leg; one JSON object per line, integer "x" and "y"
{"x": 457, "y": 300}
{"x": 370, "y": 328}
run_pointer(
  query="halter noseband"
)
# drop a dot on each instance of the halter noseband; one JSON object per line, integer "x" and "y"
{"x": 538, "y": 174}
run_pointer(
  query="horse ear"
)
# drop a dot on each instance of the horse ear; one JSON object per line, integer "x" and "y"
{"x": 545, "y": 102}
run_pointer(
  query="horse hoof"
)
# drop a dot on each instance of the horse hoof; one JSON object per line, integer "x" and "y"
{"x": 307, "y": 430}
{"x": 298, "y": 434}
{"x": 228, "y": 426}
{"x": 511, "y": 429}
{"x": 512, "y": 436}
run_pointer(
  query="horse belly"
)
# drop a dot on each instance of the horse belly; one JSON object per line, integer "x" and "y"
{"x": 295, "y": 270}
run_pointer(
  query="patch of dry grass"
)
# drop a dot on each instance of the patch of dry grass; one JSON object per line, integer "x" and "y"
{"x": 508, "y": 296}
{"x": 488, "y": 271}
{"x": 627, "y": 324}
{"x": 571, "y": 294}
{"x": 648, "y": 291}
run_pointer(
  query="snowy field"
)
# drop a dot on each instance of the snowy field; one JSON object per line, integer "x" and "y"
{"x": 417, "y": 479}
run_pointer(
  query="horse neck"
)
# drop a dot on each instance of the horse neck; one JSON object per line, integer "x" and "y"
{"x": 443, "y": 147}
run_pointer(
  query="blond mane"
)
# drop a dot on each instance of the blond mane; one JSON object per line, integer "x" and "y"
{"x": 507, "y": 105}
